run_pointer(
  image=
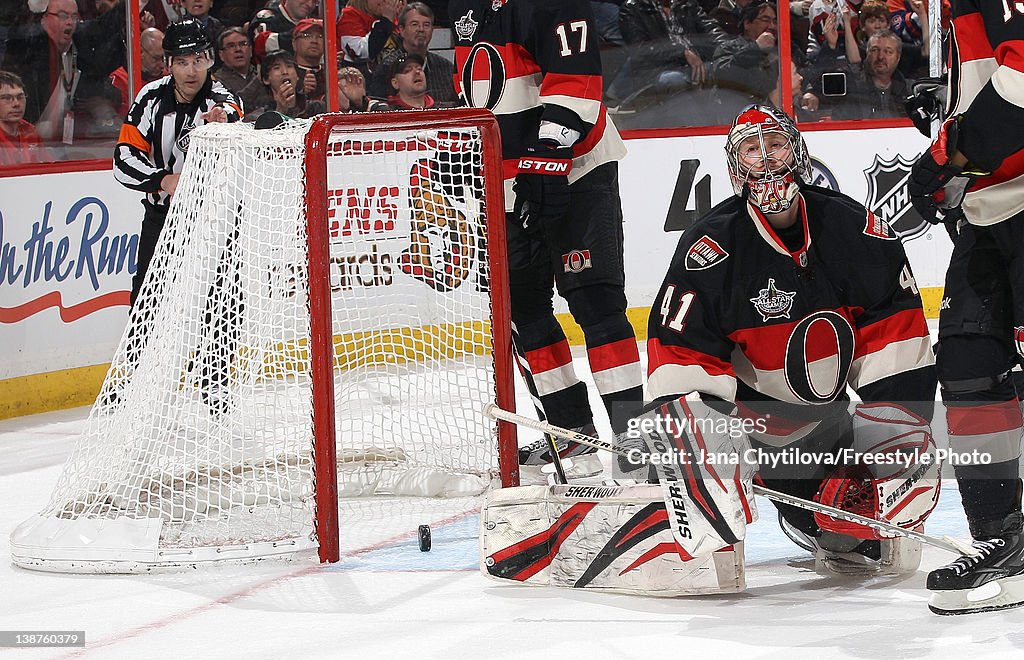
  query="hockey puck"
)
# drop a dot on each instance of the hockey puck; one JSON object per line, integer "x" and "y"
{"x": 424, "y": 536}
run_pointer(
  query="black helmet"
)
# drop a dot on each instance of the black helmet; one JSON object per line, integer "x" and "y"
{"x": 186, "y": 37}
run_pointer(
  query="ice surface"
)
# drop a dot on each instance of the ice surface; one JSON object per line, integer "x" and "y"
{"x": 386, "y": 599}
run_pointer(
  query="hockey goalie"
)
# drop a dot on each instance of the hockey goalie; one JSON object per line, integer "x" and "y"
{"x": 777, "y": 303}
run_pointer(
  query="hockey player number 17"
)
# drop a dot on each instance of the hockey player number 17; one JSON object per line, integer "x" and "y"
{"x": 1008, "y": 12}
{"x": 563, "y": 37}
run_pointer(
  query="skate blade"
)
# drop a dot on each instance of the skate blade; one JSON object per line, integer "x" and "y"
{"x": 996, "y": 595}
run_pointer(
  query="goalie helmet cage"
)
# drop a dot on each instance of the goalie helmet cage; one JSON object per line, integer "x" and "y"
{"x": 326, "y": 316}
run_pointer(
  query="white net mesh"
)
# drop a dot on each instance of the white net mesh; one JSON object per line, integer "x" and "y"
{"x": 201, "y": 437}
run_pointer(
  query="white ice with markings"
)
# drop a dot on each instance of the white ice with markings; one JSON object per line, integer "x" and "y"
{"x": 387, "y": 599}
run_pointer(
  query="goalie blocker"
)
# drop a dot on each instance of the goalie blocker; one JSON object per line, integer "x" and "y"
{"x": 609, "y": 538}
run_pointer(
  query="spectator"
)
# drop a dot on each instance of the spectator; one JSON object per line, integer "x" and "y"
{"x": 879, "y": 89}
{"x": 278, "y": 72}
{"x": 827, "y": 44}
{"x": 799, "y": 23}
{"x": 19, "y": 141}
{"x": 665, "y": 39}
{"x": 151, "y": 57}
{"x": 236, "y": 13}
{"x": 101, "y": 40}
{"x": 272, "y": 28}
{"x": 415, "y": 30}
{"x": 747, "y": 68}
{"x": 606, "y": 21}
{"x": 727, "y": 15}
{"x": 237, "y": 72}
{"x": 910, "y": 23}
{"x": 874, "y": 16}
{"x": 352, "y": 92}
{"x": 410, "y": 81}
{"x": 200, "y": 10}
{"x": 62, "y": 102}
{"x": 366, "y": 28}
{"x": 804, "y": 102}
{"x": 308, "y": 41}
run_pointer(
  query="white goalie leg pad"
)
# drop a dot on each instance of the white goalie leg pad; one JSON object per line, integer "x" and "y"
{"x": 611, "y": 538}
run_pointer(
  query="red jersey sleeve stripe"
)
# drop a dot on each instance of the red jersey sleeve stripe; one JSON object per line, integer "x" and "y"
{"x": 659, "y": 354}
{"x": 573, "y": 85}
{"x": 971, "y": 38}
{"x": 907, "y": 324}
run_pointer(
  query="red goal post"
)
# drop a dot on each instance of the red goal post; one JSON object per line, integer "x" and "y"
{"x": 321, "y": 350}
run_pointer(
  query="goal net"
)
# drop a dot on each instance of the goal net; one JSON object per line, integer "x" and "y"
{"x": 325, "y": 316}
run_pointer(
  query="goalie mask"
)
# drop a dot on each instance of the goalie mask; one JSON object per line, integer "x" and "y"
{"x": 767, "y": 158}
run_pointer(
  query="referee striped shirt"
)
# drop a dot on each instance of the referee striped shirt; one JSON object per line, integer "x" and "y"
{"x": 154, "y": 136}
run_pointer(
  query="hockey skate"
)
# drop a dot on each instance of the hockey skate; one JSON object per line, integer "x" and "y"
{"x": 839, "y": 554}
{"x": 578, "y": 460}
{"x": 991, "y": 580}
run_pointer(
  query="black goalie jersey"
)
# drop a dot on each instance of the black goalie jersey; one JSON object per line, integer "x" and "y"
{"x": 528, "y": 60}
{"x": 741, "y": 315}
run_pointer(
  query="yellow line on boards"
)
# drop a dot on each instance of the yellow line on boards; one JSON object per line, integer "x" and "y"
{"x": 69, "y": 388}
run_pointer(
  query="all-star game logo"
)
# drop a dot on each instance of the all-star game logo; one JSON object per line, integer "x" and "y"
{"x": 772, "y": 302}
{"x": 889, "y": 198}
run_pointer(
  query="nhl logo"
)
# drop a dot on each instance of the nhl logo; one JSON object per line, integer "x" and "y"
{"x": 889, "y": 198}
{"x": 183, "y": 138}
{"x": 465, "y": 27}
{"x": 773, "y": 303}
{"x": 576, "y": 261}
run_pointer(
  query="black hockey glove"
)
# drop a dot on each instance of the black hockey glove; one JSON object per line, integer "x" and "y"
{"x": 937, "y": 187}
{"x": 542, "y": 184}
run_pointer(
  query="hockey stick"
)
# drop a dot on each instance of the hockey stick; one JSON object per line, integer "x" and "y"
{"x": 946, "y": 542}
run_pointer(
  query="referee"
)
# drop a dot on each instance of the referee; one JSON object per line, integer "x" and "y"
{"x": 149, "y": 154}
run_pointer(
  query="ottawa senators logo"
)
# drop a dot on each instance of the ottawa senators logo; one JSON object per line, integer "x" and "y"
{"x": 576, "y": 261}
{"x": 445, "y": 265}
{"x": 1018, "y": 339}
{"x": 704, "y": 254}
{"x": 878, "y": 228}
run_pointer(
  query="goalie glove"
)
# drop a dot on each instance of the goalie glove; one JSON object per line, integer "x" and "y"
{"x": 897, "y": 478}
{"x": 937, "y": 186}
{"x": 702, "y": 461}
{"x": 542, "y": 182}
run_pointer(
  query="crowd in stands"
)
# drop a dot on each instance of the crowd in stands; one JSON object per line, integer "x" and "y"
{"x": 698, "y": 62}
{"x": 65, "y": 87}
{"x": 64, "y": 83}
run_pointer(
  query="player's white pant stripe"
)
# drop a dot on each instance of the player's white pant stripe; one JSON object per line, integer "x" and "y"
{"x": 895, "y": 358}
{"x": 555, "y": 380}
{"x": 619, "y": 378}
